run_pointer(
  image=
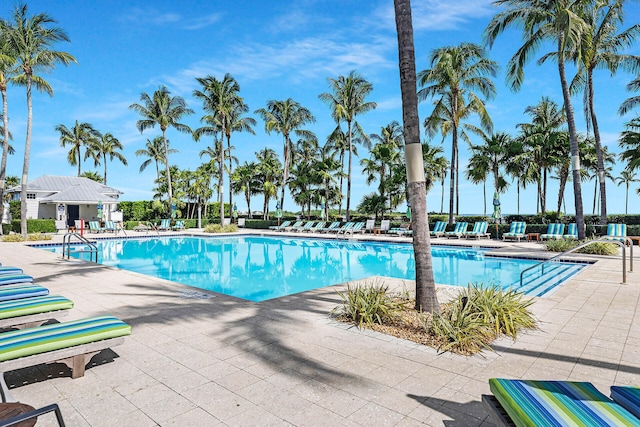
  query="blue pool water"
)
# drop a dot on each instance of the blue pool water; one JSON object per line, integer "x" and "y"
{"x": 262, "y": 268}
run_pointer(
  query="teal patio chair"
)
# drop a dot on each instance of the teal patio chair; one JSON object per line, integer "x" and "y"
{"x": 479, "y": 231}
{"x": 617, "y": 232}
{"x": 572, "y": 231}
{"x": 334, "y": 226}
{"x": 458, "y": 231}
{"x": 295, "y": 225}
{"x": 305, "y": 227}
{"x": 438, "y": 229}
{"x": 179, "y": 225}
{"x": 345, "y": 227}
{"x": 358, "y": 227}
{"x": 554, "y": 231}
{"x": 516, "y": 231}
{"x": 281, "y": 226}
{"x": 165, "y": 225}
{"x": 316, "y": 228}
{"x": 94, "y": 227}
{"x": 109, "y": 226}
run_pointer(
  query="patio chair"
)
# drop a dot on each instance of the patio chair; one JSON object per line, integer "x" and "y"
{"x": 22, "y": 414}
{"x": 385, "y": 224}
{"x": 458, "y": 231}
{"x": 438, "y": 229}
{"x": 369, "y": 226}
{"x": 358, "y": 227}
{"x": 141, "y": 227}
{"x": 617, "y": 232}
{"x": 109, "y": 226}
{"x": 30, "y": 312}
{"x": 572, "y": 231}
{"x": 516, "y": 231}
{"x": 296, "y": 224}
{"x": 404, "y": 229}
{"x": 479, "y": 231}
{"x": 165, "y": 225}
{"x": 241, "y": 222}
{"x": 627, "y": 397}
{"x": 23, "y": 290}
{"x": 179, "y": 225}
{"x": 554, "y": 231}
{"x": 226, "y": 221}
{"x": 281, "y": 226}
{"x": 546, "y": 403}
{"x": 319, "y": 226}
{"x": 344, "y": 228}
{"x": 94, "y": 227}
{"x": 333, "y": 226}
{"x": 305, "y": 227}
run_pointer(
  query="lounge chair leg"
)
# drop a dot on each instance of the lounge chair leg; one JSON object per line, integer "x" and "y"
{"x": 4, "y": 391}
{"x": 77, "y": 363}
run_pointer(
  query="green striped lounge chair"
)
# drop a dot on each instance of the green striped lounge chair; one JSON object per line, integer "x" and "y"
{"x": 29, "y": 312}
{"x": 553, "y": 403}
{"x": 179, "y": 225}
{"x": 319, "y": 226}
{"x": 572, "y": 231}
{"x": 400, "y": 231}
{"x": 110, "y": 226}
{"x": 165, "y": 225}
{"x": 458, "y": 231}
{"x": 617, "y": 232}
{"x": 278, "y": 227}
{"x": 358, "y": 227}
{"x": 516, "y": 231}
{"x": 72, "y": 343}
{"x": 11, "y": 279}
{"x": 439, "y": 229}
{"x": 627, "y": 397}
{"x": 332, "y": 227}
{"x": 23, "y": 290}
{"x": 345, "y": 227}
{"x": 94, "y": 227}
{"x": 479, "y": 231}
{"x": 295, "y": 225}
{"x": 305, "y": 227}
{"x": 554, "y": 231}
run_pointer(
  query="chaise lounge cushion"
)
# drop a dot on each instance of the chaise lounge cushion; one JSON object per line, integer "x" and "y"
{"x": 10, "y": 270}
{"x": 26, "y": 290}
{"x": 7, "y": 279}
{"x": 629, "y": 397}
{"x": 26, "y": 306}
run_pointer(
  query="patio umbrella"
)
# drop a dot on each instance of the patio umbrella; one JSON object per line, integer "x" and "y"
{"x": 497, "y": 214}
{"x": 278, "y": 213}
{"x": 99, "y": 209}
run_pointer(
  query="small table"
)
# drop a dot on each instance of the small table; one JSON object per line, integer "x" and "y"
{"x": 12, "y": 410}
{"x": 634, "y": 239}
{"x": 531, "y": 236}
{"x": 376, "y": 230}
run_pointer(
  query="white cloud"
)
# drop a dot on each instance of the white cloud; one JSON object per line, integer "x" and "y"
{"x": 203, "y": 21}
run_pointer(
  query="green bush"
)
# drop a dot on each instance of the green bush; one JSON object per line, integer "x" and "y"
{"x": 217, "y": 228}
{"x": 367, "y": 304}
{"x": 6, "y": 229}
{"x": 35, "y": 226}
{"x": 596, "y": 248}
{"x": 12, "y": 238}
{"x": 14, "y": 209}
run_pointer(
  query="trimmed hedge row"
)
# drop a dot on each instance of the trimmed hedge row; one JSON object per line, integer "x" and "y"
{"x": 33, "y": 226}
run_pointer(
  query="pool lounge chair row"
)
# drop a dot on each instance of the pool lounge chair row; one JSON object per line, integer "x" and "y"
{"x": 25, "y": 306}
{"x": 320, "y": 227}
{"x": 556, "y": 403}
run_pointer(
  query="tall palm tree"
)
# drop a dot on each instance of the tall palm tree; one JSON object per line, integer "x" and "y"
{"x": 547, "y": 20}
{"x": 244, "y": 181}
{"x": 633, "y": 101}
{"x": 520, "y": 167}
{"x": 215, "y": 153}
{"x": 627, "y": 176}
{"x": 327, "y": 169}
{"x": 347, "y": 101}
{"x": 286, "y": 117}
{"x": 81, "y": 134}
{"x": 106, "y": 146}
{"x": 435, "y": 168}
{"x": 237, "y": 123}
{"x": 163, "y": 110}
{"x": 154, "y": 150}
{"x": 426, "y": 297}
{"x": 600, "y": 48}
{"x": 385, "y": 153}
{"x": 456, "y": 74}
{"x": 7, "y": 60}
{"x": 337, "y": 142}
{"x": 31, "y": 39}
{"x": 269, "y": 173}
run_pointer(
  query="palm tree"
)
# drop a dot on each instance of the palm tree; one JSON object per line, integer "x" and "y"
{"x": 286, "y": 117}
{"x": 627, "y": 176}
{"x": 599, "y": 48}
{"x": 337, "y": 142}
{"x": 31, "y": 39}
{"x": 435, "y": 165}
{"x": 237, "y": 123}
{"x": 244, "y": 181}
{"x": 215, "y": 166}
{"x": 426, "y": 297}
{"x": 154, "y": 150}
{"x": 93, "y": 176}
{"x": 81, "y": 134}
{"x": 327, "y": 169}
{"x": 269, "y": 171}
{"x": 106, "y": 146}
{"x": 559, "y": 22}
{"x": 456, "y": 73}
{"x": 347, "y": 101}
{"x": 165, "y": 111}
{"x": 7, "y": 60}
{"x": 384, "y": 154}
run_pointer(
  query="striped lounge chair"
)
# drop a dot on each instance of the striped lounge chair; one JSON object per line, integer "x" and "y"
{"x": 554, "y": 231}
{"x": 516, "y": 231}
{"x": 358, "y": 227}
{"x": 110, "y": 226}
{"x": 553, "y": 403}
{"x": 11, "y": 279}
{"x": 10, "y": 270}
{"x": 438, "y": 229}
{"x": 479, "y": 231}
{"x": 617, "y": 232}
{"x": 94, "y": 227}
{"x": 628, "y": 397}
{"x": 331, "y": 228}
{"x": 72, "y": 343}
{"x": 458, "y": 231}
{"x": 281, "y": 226}
{"x": 165, "y": 225}
{"x": 345, "y": 227}
{"x": 305, "y": 227}
{"x": 316, "y": 228}
{"x": 29, "y": 312}
{"x": 22, "y": 290}
{"x": 295, "y": 225}
{"x": 572, "y": 231}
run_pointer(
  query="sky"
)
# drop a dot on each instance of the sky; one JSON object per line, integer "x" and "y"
{"x": 277, "y": 50}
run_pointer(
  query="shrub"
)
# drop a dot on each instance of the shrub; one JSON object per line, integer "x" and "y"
{"x": 217, "y": 228}
{"x": 560, "y": 245}
{"x": 35, "y": 226}
{"x": 367, "y": 304}
{"x": 595, "y": 248}
{"x": 38, "y": 236}
{"x": 12, "y": 238}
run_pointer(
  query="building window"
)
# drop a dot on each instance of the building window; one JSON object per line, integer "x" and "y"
{"x": 31, "y": 196}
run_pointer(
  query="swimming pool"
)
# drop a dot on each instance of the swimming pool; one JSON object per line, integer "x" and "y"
{"x": 261, "y": 268}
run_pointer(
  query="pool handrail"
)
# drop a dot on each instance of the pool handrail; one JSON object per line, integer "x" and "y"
{"x": 587, "y": 243}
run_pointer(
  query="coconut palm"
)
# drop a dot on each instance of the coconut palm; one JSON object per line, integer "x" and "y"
{"x": 627, "y": 176}
{"x": 286, "y": 118}
{"x": 31, "y": 39}
{"x": 347, "y": 101}
{"x": 165, "y": 111}
{"x": 385, "y": 153}
{"x": 456, "y": 74}
{"x": 631, "y": 102}
{"x": 243, "y": 180}
{"x": 600, "y": 47}
{"x": 269, "y": 173}
{"x": 92, "y": 175}
{"x": 105, "y": 146}
{"x": 556, "y": 21}
{"x": 327, "y": 170}
{"x": 7, "y": 60}
{"x": 154, "y": 150}
{"x": 426, "y": 297}
{"x": 337, "y": 142}
{"x": 237, "y": 123}
{"x": 81, "y": 134}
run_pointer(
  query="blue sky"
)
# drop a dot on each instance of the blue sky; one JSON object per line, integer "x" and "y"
{"x": 275, "y": 50}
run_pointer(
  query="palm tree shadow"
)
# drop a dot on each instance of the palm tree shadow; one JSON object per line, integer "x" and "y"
{"x": 467, "y": 414}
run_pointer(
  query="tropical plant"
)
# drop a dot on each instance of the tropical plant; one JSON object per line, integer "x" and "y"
{"x": 286, "y": 118}
{"x": 105, "y": 146}
{"x": 374, "y": 204}
{"x": 384, "y": 154}
{"x": 367, "y": 304}
{"x": 244, "y": 181}
{"x": 556, "y": 21}
{"x": 347, "y": 101}
{"x": 165, "y": 111}
{"x": 92, "y": 175}
{"x": 154, "y": 150}
{"x": 426, "y": 297}
{"x": 456, "y": 74}
{"x": 81, "y": 134}
{"x": 269, "y": 173}
{"x": 627, "y": 177}
{"x": 7, "y": 60}
{"x": 31, "y": 39}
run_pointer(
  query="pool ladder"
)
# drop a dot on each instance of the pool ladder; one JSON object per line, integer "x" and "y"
{"x": 582, "y": 245}
{"x": 66, "y": 246}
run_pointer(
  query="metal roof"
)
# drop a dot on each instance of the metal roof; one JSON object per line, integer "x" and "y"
{"x": 53, "y": 183}
{"x": 78, "y": 194}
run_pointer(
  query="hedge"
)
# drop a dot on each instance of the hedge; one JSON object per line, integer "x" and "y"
{"x": 35, "y": 226}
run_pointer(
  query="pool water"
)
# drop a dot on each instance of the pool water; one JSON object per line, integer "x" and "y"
{"x": 262, "y": 268}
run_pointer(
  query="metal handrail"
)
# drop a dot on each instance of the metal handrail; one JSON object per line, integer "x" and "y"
{"x": 582, "y": 245}
{"x": 66, "y": 246}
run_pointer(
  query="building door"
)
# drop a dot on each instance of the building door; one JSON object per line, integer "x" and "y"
{"x": 73, "y": 213}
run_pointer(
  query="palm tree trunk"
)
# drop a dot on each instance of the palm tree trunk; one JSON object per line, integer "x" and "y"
{"x": 452, "y": 177}
{"x": 166, "y": 163}
{"x": 286, "y": 170}
{"x": 543, "y": 201}
{"x": 247, "y": 196}
{"x": 573, "y": 138}
{"x": 79, "y": 157}
{"x": 341, "y": 181}
{"x": 599, "y": 155}
{"x": 442, "y": 198}
{"x": 25, "y": 165}
{"x": 5, "y": 150}
{"x": 518, "y": 196}
{"x": 426, "y": 297}
{"x": 230, "y": 171}
{"x": 221, "y": 182}
{"x": 457, "y": 179}
{"x": 626, "y": 201}
{"x": 104, "y": 179}
{"x": 349, "y": 172}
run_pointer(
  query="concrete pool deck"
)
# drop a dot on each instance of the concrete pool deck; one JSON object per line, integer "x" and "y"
{"x": 203, "y": 359}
